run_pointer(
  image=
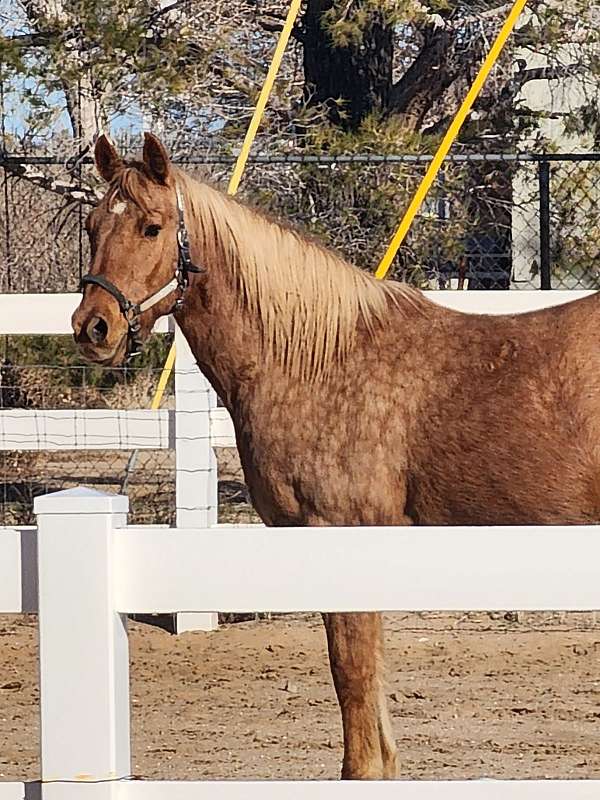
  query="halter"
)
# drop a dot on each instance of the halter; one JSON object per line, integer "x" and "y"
{"x": 132, "y": 311}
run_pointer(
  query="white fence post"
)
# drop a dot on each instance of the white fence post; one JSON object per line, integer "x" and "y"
{"x": 196, "y": 465}
{"x": 84, "y": 654}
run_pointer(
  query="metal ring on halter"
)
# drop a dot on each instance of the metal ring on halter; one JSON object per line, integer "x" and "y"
{"x": 132, "y": 313}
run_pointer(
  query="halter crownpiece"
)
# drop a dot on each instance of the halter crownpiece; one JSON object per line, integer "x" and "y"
{"x": 132, "y": 311}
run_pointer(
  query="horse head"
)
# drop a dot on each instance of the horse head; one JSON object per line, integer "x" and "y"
{"x": 140, "y": 259}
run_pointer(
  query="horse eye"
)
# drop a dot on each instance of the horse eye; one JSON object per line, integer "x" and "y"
{"x": 152, "y": 231}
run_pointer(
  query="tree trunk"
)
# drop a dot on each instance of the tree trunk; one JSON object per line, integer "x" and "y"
{"x": 84, "y": 109}
{"x": 432, "y": 72}
{"x": 353, "y": 80}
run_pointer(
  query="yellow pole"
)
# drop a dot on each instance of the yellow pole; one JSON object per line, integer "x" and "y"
{"x": 264, "y": 96}
{"x": 242, "y": 158}
{"x": 449, "y": 138}
{"x": 163, "y": 380}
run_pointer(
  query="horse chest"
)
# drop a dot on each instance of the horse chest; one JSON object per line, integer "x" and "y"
{"x": 324, "y": 470}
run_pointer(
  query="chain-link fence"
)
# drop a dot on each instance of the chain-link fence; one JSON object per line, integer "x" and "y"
{"x": 492, "y": 221}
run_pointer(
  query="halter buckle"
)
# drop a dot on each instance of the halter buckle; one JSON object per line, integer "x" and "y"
{"x": 131, "y": 314}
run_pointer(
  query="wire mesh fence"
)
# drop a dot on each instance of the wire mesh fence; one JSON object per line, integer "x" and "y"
{"x": 492, "y": 221}
{"x": 66, "y": 423}
{"x": 41, "y": 377}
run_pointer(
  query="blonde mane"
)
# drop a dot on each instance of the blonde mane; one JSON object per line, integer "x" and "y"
{"x": 309, "y": 301}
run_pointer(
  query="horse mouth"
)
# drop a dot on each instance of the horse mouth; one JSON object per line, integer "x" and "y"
{"x": 104, "y": 357}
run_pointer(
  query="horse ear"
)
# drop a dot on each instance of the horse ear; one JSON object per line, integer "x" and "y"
{"x": 108, "y": 161}
{"x": 156, "y": 158}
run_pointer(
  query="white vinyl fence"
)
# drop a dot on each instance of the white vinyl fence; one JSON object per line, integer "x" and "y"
{"x": 193, "y": 428}
{"x": 89, "y": 570}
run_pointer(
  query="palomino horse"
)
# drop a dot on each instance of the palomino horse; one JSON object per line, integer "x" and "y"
{"x": 354, "y": 402}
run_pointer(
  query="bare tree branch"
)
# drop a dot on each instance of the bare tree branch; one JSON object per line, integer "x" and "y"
{"x": 503, "y": 100}
{"x": 270, "y": 25}
{"x": 34, "y": 39}
{"x": 69, "y": 189}
{"x": 549, "y": 73}
{"x": 430, "y": 74}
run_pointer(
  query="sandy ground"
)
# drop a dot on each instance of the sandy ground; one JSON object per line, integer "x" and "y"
{"x": 470, "y": 696}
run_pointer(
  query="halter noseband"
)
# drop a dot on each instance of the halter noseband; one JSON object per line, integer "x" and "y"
{"x": 132, "y": 311}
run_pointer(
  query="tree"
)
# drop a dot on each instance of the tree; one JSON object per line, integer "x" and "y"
{"x": 403, "y": 59}
{"x": 378, "y": 75}
{"x": 201, "y": 64}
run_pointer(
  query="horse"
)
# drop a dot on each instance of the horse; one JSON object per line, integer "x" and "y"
{"x": 354, "y": 401}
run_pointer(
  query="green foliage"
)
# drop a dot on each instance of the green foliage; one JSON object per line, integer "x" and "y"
{"x": 355, "y": 208}
{"x": 585, "y": 121}
{"x": 114, "y": 45}
{"x": 24, "y": 356}
{"x": 374, "y": 135}
{"x": 346, "y": 22}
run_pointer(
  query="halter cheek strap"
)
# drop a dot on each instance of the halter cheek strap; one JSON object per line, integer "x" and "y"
{"x": 132, "y": 311}
{"x": 185, "y": 265}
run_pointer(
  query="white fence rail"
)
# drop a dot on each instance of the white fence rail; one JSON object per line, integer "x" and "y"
{"x": 18, "y": 571}
{"x": 350, "y": 569}
{"x": 92, "y": 569}
{"x": 102, "y": 429}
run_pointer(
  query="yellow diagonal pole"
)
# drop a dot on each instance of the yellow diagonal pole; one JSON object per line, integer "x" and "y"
{"x": 164, "y": 379}
{"x": 264, "y": 96}
{"x": 449, "y": 139}
{"x": 242, "y": 158}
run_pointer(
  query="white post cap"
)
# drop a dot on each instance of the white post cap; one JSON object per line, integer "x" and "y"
{"x": 81, "y": 500}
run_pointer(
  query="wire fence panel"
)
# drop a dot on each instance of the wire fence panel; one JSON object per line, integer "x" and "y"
{"x": 44, "y": 372}
{"x": 491, "y": 221}
{"x": 64, "y": 423}
{"x": 42, "y": 235}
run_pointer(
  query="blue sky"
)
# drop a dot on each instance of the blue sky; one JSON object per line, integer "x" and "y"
{"x": 16, "y": 109}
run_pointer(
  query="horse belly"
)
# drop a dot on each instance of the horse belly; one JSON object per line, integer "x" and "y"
{"x": 531, "y": 477}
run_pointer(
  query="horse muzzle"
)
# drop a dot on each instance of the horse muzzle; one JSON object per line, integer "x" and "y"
{"x": 99, "y": 341}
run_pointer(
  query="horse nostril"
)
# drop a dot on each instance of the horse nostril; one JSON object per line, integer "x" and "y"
{"x": 97, "y": 330}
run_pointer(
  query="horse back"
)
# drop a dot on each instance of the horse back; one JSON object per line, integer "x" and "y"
{"x": 510, "y": 430}
{"x": 442, "y": 418}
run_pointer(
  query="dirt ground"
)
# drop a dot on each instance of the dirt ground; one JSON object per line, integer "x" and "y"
{"x": 471, "y": 696}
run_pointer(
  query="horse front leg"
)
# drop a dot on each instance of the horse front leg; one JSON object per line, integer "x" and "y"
{"x": 355, "y": 643}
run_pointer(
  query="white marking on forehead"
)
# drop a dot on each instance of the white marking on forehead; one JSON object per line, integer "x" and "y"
{"x": 118, "y": 208}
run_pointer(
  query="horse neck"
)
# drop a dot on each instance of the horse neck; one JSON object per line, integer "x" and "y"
{"x": 224, "y": 341}
{"x": 224, "y": 336}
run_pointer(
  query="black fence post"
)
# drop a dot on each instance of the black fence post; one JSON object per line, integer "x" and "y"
{"x": 544, "y": 187}
{"x": 5, "y": 185}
